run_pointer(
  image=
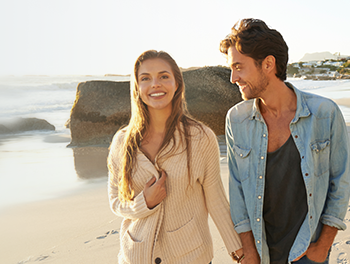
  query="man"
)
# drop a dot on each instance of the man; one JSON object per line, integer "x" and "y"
{"x": 288, "y": 154}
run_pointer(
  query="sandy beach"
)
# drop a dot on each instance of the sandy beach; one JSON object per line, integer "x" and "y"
{"x": 76, "y": 228}
{"x": 80, "y": 228}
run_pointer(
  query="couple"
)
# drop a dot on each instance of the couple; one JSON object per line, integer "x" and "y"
{"x": 288, "y": 156}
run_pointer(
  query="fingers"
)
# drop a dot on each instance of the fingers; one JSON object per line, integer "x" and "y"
{"x": 151, "y": 182}
{"x": 155, "y": 191}
{"x": 300, "y": 257}
{"x": 162, "y": 178}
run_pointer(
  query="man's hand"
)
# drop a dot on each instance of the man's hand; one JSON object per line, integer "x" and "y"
{"x": 314, "y": 253}
{"x": 155, "y": 192}
{"x": 318, "y": 251}
{"x": 250, "y": 252}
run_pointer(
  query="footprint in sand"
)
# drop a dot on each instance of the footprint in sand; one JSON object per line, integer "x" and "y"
{"x": 348, "y": 242}
{"x": 42, "y": 258}
{"x": 107, "y": 233}
{"x": 104, "y": 236}
{"x": 342, "y": 258}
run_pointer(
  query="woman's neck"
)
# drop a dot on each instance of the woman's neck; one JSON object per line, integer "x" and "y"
{"x": 158, "y": 121}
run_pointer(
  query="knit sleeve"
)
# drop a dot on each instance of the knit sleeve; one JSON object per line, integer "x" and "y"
{"x": 216, "y": 199}
{"x": 135, "y": 209}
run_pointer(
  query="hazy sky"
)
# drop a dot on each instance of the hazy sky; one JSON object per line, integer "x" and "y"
{"x": 106, "y": 36}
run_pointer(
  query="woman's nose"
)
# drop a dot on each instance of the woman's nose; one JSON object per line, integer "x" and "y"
{"x": 155, "y": 82}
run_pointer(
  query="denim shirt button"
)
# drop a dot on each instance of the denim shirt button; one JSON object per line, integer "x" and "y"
{"x": 259, "y": 197}
{"x": 264, "y": 135}
{"x": 262, "y": 157}
{"x": 260, "y": 177}
{"x": 258, "y": 219}
{"x": 258, "y": 241}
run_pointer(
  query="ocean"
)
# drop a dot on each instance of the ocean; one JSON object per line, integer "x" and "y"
{"x": 37, "y": 165}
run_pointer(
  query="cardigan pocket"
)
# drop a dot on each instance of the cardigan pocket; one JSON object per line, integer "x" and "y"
{"x": 184, "y": 239}
{"x": 133, "y": 250}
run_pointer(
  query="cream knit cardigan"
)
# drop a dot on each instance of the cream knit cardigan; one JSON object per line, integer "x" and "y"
{"x": 176, "y": 231}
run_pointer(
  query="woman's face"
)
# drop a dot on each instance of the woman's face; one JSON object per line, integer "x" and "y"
{"x": 157, "y": 84}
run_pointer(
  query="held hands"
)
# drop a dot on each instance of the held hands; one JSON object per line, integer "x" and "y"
{"x": 154, "y": 191}
{"x": 251, "y": 255}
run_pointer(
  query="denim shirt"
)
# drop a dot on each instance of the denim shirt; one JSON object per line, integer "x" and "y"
{"x": 319, "y": 132}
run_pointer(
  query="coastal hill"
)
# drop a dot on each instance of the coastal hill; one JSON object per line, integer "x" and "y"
{"x": 320, "y": 56}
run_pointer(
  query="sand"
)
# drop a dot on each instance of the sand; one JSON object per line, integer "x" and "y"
{"x": 80, "y": 228}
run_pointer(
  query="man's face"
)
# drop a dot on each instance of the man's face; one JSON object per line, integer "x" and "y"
{"x": 250, "y": 78}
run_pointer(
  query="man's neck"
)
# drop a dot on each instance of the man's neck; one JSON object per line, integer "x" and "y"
{"x": 277, "y": 100}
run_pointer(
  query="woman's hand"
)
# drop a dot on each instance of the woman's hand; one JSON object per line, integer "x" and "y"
{"x": 154, "y": 191}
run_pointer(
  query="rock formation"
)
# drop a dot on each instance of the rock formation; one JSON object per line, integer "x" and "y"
{"x": 102, "y": 107}
{"x": 25, "y": 124}
{"x": 99, "y": 110}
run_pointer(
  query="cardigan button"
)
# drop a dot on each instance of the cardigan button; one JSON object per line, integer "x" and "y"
{"x": 158, "y": 261}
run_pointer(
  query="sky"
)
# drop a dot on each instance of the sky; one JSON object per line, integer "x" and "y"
{"x": 97, "y": 37}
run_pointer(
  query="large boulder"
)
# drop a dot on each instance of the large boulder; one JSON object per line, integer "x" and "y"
{"x": 102, "y": 107}
{"x": 210, "y": 94}
{"x": 99, "y": 110}
{"x": 19, "y": 125}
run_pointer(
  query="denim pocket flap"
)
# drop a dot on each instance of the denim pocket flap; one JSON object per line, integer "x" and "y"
{"x": 319, "y": 145}
{"x": 241, "y": 152}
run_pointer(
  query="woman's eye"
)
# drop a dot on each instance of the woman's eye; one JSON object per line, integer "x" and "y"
{"x": 144, "y": 79}
{"x": 164, "y": 77}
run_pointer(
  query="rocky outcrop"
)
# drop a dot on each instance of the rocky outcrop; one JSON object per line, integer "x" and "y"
{"x": 209, "y": 95}
{"x": 99, "y": 110}
{"x": 102, "y": 107}
{"x": 25, "y": 124}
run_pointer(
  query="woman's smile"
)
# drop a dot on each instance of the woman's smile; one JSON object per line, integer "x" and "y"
{"x": 157, "y": 84}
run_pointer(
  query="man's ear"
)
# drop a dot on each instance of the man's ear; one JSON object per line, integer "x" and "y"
{"x": 269, "y": 64}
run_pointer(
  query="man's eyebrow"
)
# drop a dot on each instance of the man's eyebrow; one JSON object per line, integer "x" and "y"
{"x": 235, "y": 64}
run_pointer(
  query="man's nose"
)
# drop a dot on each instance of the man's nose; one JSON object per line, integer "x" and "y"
{"x": 234, "y": 77}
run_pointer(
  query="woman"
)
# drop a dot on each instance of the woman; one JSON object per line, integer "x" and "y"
{"x": 164, "y": 173}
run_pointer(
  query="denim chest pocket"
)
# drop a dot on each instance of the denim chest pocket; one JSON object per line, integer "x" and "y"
{"x": 242, "y": 160}
{"x": 320, "y": 154}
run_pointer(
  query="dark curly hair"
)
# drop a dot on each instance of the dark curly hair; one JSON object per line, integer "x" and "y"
{"x": 253, "y": 38}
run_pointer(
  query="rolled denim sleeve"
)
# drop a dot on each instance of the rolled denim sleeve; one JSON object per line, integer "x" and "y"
{"x": 339, "y": 179}
{"x": 238, "y": 207}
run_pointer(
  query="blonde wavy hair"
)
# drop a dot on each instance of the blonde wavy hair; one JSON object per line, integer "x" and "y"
{"x": 139, "y": 124}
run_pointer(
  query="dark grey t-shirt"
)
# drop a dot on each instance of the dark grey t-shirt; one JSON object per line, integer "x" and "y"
{"x": 285, "y": 203}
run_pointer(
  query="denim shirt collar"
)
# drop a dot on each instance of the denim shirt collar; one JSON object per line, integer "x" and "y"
{"x": 302, "y": 108}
